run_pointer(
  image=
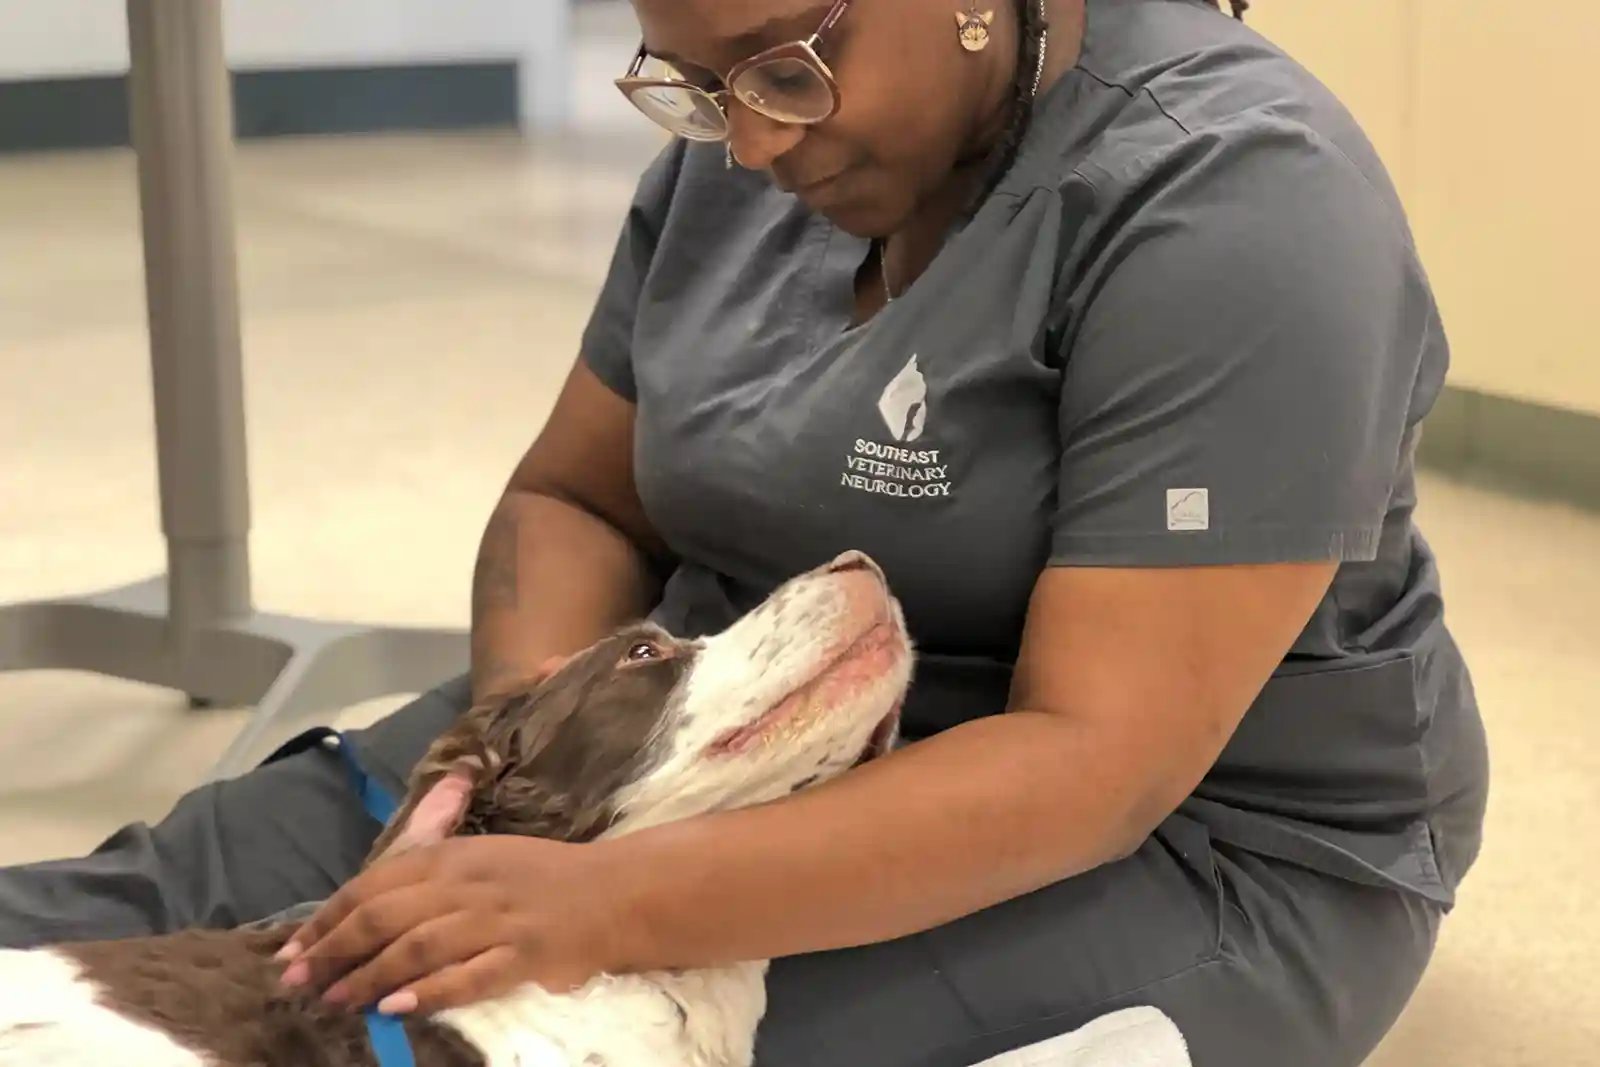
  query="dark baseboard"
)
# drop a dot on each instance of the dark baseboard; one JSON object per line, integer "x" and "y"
{"x": 1524, "y": 447}
{"x": 93, "y": 112}
{"x": 64, "y": 113}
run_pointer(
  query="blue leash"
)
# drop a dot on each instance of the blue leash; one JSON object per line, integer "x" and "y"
{"x": 374, "y": 797}
{"x": 390, "y": 1045}
{"x": 386, "y": 1033}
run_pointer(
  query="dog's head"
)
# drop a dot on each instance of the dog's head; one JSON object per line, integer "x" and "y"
{"x": 643, "y": 727}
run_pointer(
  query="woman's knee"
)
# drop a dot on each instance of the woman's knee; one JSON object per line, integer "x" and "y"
{"x": 1256, "y": 962}
{"x": 1005, "y": 977}
{"x": 1315, "y": 969}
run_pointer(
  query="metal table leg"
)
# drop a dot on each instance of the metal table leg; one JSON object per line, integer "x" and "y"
{"x": 196, "y": 629}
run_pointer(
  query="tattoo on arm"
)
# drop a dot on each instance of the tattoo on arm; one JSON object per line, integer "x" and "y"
{"x": 494, "y": 583}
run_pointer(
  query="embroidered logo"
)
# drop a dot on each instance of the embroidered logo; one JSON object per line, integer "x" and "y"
{"x": 1188, "y": 509}
{"x": 904, "y": 403}
{"x": 893, "y": 469}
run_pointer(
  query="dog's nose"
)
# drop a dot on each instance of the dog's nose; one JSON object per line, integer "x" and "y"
{"x": 853, "y": 561}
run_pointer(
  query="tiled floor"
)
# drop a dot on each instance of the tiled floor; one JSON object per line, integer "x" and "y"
{"x": 436, "y": 287}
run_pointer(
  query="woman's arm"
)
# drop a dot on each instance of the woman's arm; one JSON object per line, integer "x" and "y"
{"x": 1130, "y": 683}
{"x": 567, "y": 555}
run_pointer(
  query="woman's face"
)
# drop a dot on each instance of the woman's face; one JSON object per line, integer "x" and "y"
{"x": 913, "y": 102}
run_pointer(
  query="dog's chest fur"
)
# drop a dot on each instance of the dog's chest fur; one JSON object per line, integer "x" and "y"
{"x": 211, "y": 999}
{"x": 701, "y": 1018}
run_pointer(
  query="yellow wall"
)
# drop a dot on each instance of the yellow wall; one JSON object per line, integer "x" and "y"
{"x": 1485, "y": 113}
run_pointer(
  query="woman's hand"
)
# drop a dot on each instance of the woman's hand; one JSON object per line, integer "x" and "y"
{"x": 460, "y": 922}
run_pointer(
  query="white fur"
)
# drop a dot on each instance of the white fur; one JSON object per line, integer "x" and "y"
{"x": 694, "y": 1019}
{"x": 49, "y": 1017}
{"x": 747, "y": 669}
{"x": 705, "y": 1018}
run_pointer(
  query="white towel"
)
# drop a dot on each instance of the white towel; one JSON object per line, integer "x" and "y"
{"x": 1137, "y": 1037}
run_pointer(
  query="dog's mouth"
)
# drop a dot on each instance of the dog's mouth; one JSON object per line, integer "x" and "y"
{"x": 883, "y": 736}
{"x": 859, "y": 664}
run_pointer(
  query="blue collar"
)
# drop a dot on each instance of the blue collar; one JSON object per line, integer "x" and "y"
{"x": 386, "y": 1033}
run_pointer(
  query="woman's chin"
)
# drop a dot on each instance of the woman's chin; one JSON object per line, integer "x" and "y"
{"x": 862, "y": 216}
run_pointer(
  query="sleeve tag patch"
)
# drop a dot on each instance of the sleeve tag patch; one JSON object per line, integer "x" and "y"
{"x": 1188, "y": 510}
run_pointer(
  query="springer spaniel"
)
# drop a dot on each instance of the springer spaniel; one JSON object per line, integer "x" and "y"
{"x": 640, "y": 729}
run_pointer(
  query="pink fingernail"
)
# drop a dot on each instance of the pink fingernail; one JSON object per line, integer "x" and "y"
{"x": 401, "y": 1003}
{"x": 297, "y": 974}
{"x": 290, "y": 951}
{"x": 337, "y": 994}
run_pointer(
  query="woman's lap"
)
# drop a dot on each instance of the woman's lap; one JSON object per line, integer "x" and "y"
{"x": 1258, "y": 962}
{"x": 1295, "y": 967}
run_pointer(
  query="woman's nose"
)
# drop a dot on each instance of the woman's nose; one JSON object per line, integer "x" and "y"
{"x": 758, "y": 140}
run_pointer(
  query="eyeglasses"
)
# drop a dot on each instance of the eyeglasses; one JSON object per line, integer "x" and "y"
{"x": 789, "y": 84}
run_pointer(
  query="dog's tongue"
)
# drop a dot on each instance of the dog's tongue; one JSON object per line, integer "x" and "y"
{"x": 438, "y": 814}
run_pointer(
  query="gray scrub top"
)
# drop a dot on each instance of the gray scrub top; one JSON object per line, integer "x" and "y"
{"x": 1190, "y": 327}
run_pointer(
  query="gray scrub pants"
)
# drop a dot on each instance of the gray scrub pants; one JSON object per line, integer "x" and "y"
{"x": 1260, "y": 963}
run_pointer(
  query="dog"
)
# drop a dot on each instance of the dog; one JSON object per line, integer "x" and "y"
{"x": 640, "y": 729}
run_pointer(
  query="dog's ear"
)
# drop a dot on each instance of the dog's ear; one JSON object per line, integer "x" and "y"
{"x": 568, "y": 754}
{"x": 455, "y": 786}
{"x": 545, "y": 760}
{"x": 430, "y": 813}
{"x": 536, "y": 792}
{"x": 456, "y": 769}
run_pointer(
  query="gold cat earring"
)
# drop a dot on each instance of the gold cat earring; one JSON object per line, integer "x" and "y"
{"x": 973, "y": 26}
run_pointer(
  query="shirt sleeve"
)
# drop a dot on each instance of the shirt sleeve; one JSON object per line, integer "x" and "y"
{"x": 1239, "y": 370}
{"x": 607, "y": 344}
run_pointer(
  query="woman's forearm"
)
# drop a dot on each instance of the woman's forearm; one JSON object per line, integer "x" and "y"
{"x": 550, "y": 579}
{"x": 987, "y": 811}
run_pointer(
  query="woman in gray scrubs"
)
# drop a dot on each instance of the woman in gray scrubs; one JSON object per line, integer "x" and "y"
{"x": 1098, "y": 323}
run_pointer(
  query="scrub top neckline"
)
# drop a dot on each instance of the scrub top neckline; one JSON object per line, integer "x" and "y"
{"x": 843, "y": 254}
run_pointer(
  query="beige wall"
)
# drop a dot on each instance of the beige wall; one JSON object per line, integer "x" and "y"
{"x": 1485, "y": 113}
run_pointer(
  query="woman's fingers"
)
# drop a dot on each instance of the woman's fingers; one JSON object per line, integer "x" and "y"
{"x": 428, "y": 949}
{"x": 405, "y": 870}
{"x": 365, "y": 928}
{"x": 485, "y": 976}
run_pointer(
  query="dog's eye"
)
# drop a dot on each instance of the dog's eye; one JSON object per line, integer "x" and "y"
{"x": 644, "y": 650}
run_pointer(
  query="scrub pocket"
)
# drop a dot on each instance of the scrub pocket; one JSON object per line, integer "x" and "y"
{"x": 1337, "y": 748}
{"x": 1075, "y": 945}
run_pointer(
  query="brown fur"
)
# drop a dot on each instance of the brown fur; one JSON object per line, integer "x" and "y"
{"x": 546, "y": 761}
{"x": 217, "y": 993}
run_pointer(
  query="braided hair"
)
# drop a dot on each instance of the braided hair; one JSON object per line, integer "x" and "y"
{"x": 1030, "y": 42}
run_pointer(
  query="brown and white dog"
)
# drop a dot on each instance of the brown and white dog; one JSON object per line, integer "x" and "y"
{"x": 640, "y": 729}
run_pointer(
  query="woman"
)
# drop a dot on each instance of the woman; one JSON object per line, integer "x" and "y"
{"x": 1099, "y": 325}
